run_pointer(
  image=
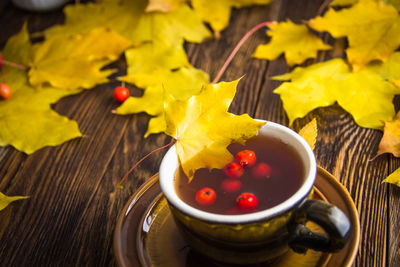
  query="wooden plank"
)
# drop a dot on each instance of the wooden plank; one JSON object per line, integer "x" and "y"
{"x": 71, "y": 215}
{"x": 393, "y": 208}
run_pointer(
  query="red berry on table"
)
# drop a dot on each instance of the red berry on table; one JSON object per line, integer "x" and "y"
{"x": 261, "y": 170}
{"x": 206, "y": 196}
{"x": 231, "y": 185}
{"x": 121, "y": 93}
{"x": 247, "y": 201}
{"x": 246, "y": 158}
{"x": 5, "y": 91}
{"x": 233, "y": 170}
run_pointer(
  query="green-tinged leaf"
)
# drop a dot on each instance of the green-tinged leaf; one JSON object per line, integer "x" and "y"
{"x": 389, "y": 70}
{"x": 295, "y": 41}
{"x": 73, "y": 61}
{"x": 26, "y": 119}
{"x": 365, "y": 94}
{"x": 203, "y": 127}
{"x": 393, "y": 178}
{"x": 6, "y": 200}
{"x": 309, "y": 132}
{"x": 372, "y": 28}
{"x": 217, "y": 13}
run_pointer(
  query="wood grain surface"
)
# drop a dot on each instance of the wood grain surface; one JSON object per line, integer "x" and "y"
{"x": 74, "y": 201}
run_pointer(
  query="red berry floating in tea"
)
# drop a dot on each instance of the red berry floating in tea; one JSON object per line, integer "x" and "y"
{"x": 261, "y": 171}
{"x": 206, "y": 196}
{"x": 246, "y": 158}
{"x": 231, "y": 185}
{"x": 121, "y": 93}
{"x": 233, "y": 170}
{"x": 247, "y": 201}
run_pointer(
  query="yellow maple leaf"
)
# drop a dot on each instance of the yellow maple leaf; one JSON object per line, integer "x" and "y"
{"x": 203, "y": 127}
{"x": 393, "y": 178}
{"x": 395, "y": 3}
{"x": 133, "y": 22}
{"x": 372, "y": 28}
{"x": 309, "y": 132}
{"x": 82, "y": 18}
{"x": 365, "y": 95}
{"x": 217, "y": 13}
{"x": 147, "y": 61}
{"x": 6, "y": 200}
{"x": 163, "y": 5}
{"x": 181, "y": 84}
{"x": 389, "y": 70}
{"x": 295, "y": 41}
{"x": 390, "y": 142}
{"x": 26, "y": 119}
{"x": 74, "y": 61}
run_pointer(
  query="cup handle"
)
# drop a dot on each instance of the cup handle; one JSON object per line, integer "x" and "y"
{"x": 330, "y": 218}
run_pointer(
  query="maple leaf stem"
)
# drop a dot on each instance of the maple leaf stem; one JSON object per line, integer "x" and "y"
{"x": 145, "y": 157}
{"x": 15, "y": 65}
{"x": 237, "y": 47}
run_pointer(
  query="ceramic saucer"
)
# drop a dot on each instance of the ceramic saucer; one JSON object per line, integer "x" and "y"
{"x": 146, "y": 235}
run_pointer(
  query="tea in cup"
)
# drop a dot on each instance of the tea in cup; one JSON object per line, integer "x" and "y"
{"x": 229, "y": 231}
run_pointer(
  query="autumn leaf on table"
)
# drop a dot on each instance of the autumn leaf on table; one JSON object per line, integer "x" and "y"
{"x": 217, "y": 13}
{"x": 365, "y": 95}
{"x": 395, "y": 3}
{"x": 26, "y": 119}
{"x": 129, "y": 19}
{"x": 82, "y": 18}
{"x": 309, "y": 132}
{"x": 181, "y": 84}
{"x": 163, "y": 5}
{"x": 390, "y": 142}
{"x": 295, "y": 41}
{"x": 73, "y": 61}
{"x": 203, "y": 127}
{"x": 393, "y": 178}
{"x": 389, "y": 70}
{"x": 147, "y": 62}
{"x": 6, "y": 200}
{"x": 372, "y": 29}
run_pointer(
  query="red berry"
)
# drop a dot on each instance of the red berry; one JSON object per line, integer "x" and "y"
{"x": 121, "y": 93}
{"x": 231, "y": 185}
{"x": 5, "y": 91}
{"x": 261, "y": 170}
{"x": 233, "y": 170}
{"x": 247, "y": 201}
{"x": 246, "y": 158}
{"x": 1, "y": 61}
{"x": 206, "y": 196}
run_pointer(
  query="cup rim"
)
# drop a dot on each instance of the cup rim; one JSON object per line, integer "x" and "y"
{"x": 170, "y": 164}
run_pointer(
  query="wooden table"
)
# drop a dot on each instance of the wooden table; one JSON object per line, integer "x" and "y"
{"x": 71, "y": 215}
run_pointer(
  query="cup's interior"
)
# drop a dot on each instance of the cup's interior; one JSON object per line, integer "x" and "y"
{"x": 169, "y": 166}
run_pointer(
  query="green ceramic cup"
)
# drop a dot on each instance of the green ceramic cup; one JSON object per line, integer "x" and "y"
{"x": 261, "y": 236}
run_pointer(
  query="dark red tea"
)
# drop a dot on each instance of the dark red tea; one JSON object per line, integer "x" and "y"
{"x": 281, "y": 176}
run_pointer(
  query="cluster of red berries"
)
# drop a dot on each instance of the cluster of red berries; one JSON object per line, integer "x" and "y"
{"x": 245, "y": 159}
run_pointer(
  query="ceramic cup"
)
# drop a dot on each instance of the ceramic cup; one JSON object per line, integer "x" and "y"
{"x": 264, "y": 235}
